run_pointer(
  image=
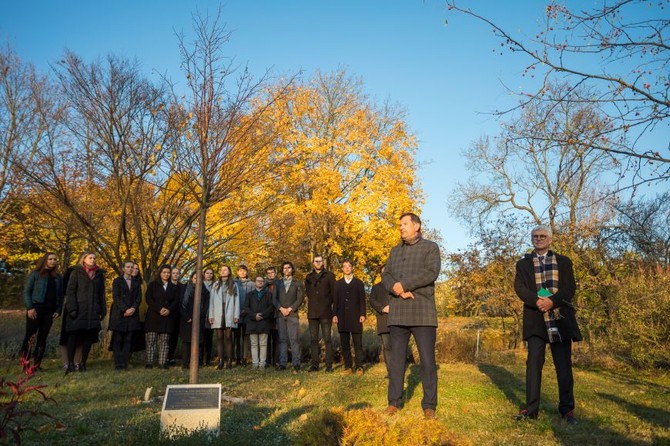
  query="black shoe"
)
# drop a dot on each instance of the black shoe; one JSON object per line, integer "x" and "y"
{"x": 82, "y": 367}
{"x": 570, "y": 418}
{"x": 171, "y": 362}
{"x": 149, "y": 366}
{"x": 69, "y": 368}
{"x": 281, "y": 367}
{"x": 296, "y": 369}
{"x": 165, "y": 366}
{"x": 524, "y": 415}
{"x": 313, "y": 368}
{"x": 329, "y": 369}
{"x": 219, "y": 366}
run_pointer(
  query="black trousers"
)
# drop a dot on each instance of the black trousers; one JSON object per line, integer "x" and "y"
{"x": 357, "y": 338}
{"x": 386, "y": 348}
{"x": 424, "y": 337}
{"x": 206, "y": 346}
{"x": 561, "y": 352}
{"x": 121, "y": 344}
{"x": 40, "y": 326}
{"x": 314, "y": 348}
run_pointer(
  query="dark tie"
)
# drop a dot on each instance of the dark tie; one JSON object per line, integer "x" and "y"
{"x": 541, "y": 259}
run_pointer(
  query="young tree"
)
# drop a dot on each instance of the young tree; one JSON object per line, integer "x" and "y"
{"x": 221, "y": 145}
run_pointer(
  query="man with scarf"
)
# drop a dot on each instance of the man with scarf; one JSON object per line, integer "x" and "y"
{"x": 545, "y": 282}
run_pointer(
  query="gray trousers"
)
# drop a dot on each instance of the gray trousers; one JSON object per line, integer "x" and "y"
{"x": 288, "y": 333}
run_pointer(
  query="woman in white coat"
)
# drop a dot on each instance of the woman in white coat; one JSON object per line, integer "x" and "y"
{"x": 223, "y": 314}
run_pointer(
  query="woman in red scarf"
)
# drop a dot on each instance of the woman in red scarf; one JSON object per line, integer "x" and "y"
{"x": 85, "y": 307}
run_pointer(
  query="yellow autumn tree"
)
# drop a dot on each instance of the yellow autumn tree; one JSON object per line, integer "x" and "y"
{"x": 348, "y": 172}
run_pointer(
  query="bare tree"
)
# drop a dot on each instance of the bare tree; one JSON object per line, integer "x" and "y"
{"x": 619, "y": 50}
{"x": 23, "y": 97}
{"x": 222, "y": 145}
{"x": 543, "y": 166}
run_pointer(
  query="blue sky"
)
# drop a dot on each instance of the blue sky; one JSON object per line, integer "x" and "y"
{"x": 444, "y": 75}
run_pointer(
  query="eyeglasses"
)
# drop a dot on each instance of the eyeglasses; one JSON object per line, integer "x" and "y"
{"x": 540, "y": 236}
{"x": 318, "y": 261}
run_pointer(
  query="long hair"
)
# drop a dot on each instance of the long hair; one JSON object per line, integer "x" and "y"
{"x": 41, "y": 265}
{"x": 82, "y": 256}
{"x": 229, "y": 282}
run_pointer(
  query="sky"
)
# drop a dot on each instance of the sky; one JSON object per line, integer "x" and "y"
{"x": 443, "y": 69}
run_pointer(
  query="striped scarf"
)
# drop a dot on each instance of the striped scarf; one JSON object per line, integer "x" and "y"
{"x": 546, "y": 276}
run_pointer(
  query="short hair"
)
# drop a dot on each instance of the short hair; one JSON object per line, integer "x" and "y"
{"x": 347, "y": 261}
{"x": 542, "y": 228}
{"x": 289, "y": 264}
{"x": 415, "y": 218}
{"x": 316, "y": 256}
{"x": 270, "y": 268}
{"x": 244, "y": 267}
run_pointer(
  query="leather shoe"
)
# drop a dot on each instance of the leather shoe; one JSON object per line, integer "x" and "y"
{"x": 570, "y": 418}
{"x": 524, "y": 415}
{"x": 391, "y": 410}
{"x": 429, "y": 414}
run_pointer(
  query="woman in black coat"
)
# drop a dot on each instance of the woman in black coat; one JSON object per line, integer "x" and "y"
{"x": 85, "y": 307}
{"x": 379, "y": 301}
{"x": 186, "y": 320}
{"x": 160, "y": 323}
{"x": 124, "y": 315}
{"x": 259, "y": 310}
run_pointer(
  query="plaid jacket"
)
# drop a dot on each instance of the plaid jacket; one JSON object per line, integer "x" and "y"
{"x": 416, "y": 267}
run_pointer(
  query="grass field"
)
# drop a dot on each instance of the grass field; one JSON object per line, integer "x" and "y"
{"x": 476, "y": 401}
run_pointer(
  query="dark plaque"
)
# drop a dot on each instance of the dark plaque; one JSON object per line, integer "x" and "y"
{"x": 195, "y": 397}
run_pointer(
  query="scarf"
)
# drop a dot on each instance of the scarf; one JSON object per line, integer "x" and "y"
{"x": 91, "y": 271}
{"x": 546, "y": 276}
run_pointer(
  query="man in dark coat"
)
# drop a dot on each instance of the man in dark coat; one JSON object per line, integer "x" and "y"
{"x": 410, "y": 274}
{"x": 379, "y": 301}
{"x": 320, "y": 289}
{"x": 545, "y": 282}
{"x": 349, "y": 309}
{"x": 124, "y": 315}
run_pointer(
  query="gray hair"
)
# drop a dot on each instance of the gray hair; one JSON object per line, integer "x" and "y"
{"x": 545, "y": 228}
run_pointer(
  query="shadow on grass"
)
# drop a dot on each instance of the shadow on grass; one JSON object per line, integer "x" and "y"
{"x": 510, "y": 385}
{"x": 652, "y": 415}
{"x": 413, "y": 380}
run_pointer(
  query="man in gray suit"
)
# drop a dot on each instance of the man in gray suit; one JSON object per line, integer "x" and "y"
{"x": 287, "y": 300}
{"x": 410, "y": 274}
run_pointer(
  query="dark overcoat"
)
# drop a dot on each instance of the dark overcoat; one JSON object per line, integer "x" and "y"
{"x": 123, "y": 298}
{"x": 416, "y": 266}
{"x": 85, "y": 300}
{"x": 526, "y": 289}
{"x": 379, "y": 298}
{"x": 349, "y": 305}
{"x": 320, "y": 291}
{"x": 264, "y": 306}
{"x": 158, "y": 297}
{"x": 186, "y": 313}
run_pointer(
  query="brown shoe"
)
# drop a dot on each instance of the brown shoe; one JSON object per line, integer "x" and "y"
{"x": 347, "y": 371}
{"x": 391, "y": 410}
{"x": 359, "y": 371}
{"x": 429, "y": 414}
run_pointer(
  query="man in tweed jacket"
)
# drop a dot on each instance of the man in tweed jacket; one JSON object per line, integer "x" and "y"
{"x": 410, "y": 274}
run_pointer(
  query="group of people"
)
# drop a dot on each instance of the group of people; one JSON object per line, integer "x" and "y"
{"x": 258, "y": 319}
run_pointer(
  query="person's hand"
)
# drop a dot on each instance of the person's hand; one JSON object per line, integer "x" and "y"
{"x": 334, "y": 319}
{"x": 55, "y": 315}
{"x": 235, "y": 319}
{"x": 129, "y": 312}
{"x": 398, "y": 289}
{"x": 407, "y": 295}
{"x": 73, "y": 314}
{"x": 164, "y": 312}
{"x": 361, "y": 319}
{"x": 32, "y": 314}
{"x": 545, "y": 304}
{"x": 385, "y": 309}
{"x": 211, "y": 320}
{"x": 258, "y": 316}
